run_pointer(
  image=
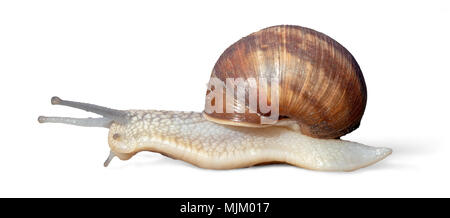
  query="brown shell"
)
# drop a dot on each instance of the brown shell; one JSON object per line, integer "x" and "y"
{"x": 321, "y": 84}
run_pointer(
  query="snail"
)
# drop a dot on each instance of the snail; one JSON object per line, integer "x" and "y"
{"x": 316, "y": 95}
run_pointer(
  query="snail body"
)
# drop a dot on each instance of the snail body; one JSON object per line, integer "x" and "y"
{"x": 190, "y": 137}
{"x": 309, "y": 67}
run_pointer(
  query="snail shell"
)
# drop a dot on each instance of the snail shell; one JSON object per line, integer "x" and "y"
{"x": 321, "y": 86}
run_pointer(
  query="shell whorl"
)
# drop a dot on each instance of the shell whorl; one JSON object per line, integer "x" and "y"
{"x": 320, "y": 83}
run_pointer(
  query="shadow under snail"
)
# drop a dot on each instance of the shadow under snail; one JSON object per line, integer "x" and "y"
{"x": 321, "y": 96}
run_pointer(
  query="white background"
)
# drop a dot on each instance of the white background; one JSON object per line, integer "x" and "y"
{"x": 149, "y": 55}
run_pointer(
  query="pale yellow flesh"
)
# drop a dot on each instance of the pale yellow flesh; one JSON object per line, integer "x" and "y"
{"x": 190, "y": 137}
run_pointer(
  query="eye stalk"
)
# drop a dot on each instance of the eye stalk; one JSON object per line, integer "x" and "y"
{"x": 109, "y": 116}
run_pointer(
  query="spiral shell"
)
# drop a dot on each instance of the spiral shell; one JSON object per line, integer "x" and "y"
{"x": 321, "y": 86}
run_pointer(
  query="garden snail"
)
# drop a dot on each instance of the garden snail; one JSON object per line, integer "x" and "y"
{"x": 316, "y": 84}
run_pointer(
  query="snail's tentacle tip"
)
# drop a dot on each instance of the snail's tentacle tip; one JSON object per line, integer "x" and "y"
{"x": 108, "y": 160}
{"x": 56, "y": 100}
{"x": 41, "y": 119}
